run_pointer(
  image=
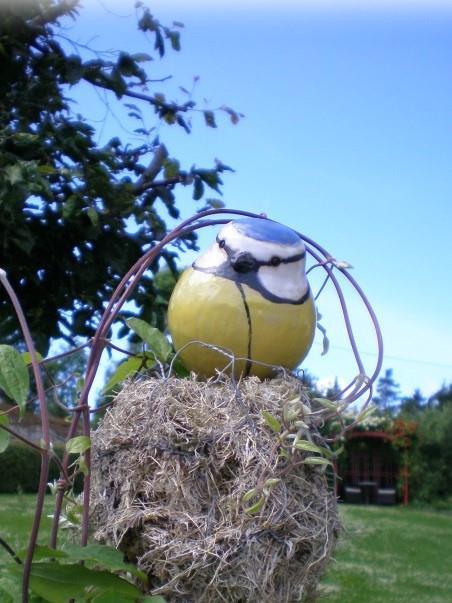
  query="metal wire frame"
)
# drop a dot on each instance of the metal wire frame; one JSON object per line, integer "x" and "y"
{"x": 361, "y": 385}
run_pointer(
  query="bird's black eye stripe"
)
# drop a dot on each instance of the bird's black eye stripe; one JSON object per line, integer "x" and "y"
{"x": 221, "y": 243}
{"x": 276, "y": 261}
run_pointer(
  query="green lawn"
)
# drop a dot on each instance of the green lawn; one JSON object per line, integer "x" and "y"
{"x": 385, "y": 555}
{"x": 16, "y": 517}
{"x": 391, "y": 555}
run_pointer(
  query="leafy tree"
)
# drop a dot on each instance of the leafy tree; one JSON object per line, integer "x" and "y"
{"x": 412, "y": 405}
{"x": 67, "y": 203}
{"x": 431, "y": 459}
{"x": 443, "y": 397}
{"x": 388, "y": 392}
{"x": 334, "y": 390}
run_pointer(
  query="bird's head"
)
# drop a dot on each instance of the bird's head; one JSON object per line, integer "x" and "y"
{"x": 270, "y": 251}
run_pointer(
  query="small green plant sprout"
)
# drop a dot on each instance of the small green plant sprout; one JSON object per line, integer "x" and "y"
{"x": 258, "y": 496}
{"x": 292, "y": 428}
{"x": 296, "y": 435}
{"x": 79, "y": 445}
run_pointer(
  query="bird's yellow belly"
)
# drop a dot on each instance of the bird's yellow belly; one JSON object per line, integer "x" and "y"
{"x": 210, "y": 309}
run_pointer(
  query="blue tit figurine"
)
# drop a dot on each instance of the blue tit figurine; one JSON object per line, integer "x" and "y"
{"x": 248, "y": 293}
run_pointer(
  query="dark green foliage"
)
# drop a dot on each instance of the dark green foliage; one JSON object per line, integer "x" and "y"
{"x": 20, "y": 467}
{"x": 430, "y": 454}
{"x": 412, "y": 405}
{"x": 66, "y": 203}
{"x": 431, "y": 458}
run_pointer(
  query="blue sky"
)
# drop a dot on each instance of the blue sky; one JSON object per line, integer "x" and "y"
{"x": 347, "y": 138}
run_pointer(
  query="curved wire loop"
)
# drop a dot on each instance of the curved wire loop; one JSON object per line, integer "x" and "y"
{"x": 356, "y": 389}
{"x": 360, "y": 386}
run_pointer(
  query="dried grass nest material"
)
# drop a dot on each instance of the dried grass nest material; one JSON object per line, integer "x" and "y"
{"x": 173, "y": 461}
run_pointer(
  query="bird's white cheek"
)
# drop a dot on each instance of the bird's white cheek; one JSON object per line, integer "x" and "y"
{"x": 287, "y": 280}
{"x": 213, "y": 256}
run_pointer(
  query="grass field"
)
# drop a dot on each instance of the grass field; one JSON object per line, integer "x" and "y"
{"x": 386, "y": 555}
{"x": 16, "y": 517}
{"x": 391, "y": 555}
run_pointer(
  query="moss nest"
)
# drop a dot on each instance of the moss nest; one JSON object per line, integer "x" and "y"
{"x": 191, "y": 481}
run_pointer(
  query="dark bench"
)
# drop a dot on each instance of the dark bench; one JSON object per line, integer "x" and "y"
{"x": 353, "y": 494}
{"x": 386, "y": 496}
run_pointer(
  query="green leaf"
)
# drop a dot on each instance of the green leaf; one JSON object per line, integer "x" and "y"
{"x": 215, "y": 203}
{"x": 179, "y": 369}
{"x": 82, "y": 465}
{"x": 171, "y": 168}
{"x": 209, "y": 118}
{"x": 14, "y": 377}
{"x": 365, "y": 414}
{"x": 5, "y": 595}
{"x": 10, "y": 585}
{"x": 169, "y": 117}
{"x": 106, "y": 596}
{"x": 249, "y": 495}
{"x": 211, "y": 178}
{"x": 270, "y": 483}
{"x": 47, "y": 170}
{"x": 93, "y": 216}
{"x": 271, "y": 421}
{"x": 56, "y": 583}
{"x": 284, "y": 454}
{"x": 105, "y": 556}
{"x": 310, "y": 447}
{"x": 326, "y": 403}
{"x": 78, "y": 444}
{"x": 43, "y": 552}
{"x": 141, "y": 57}
{"x": 306, "y": 445}
{"x": 291, "y": 411}
{"x": 131, "y": 366}
{"x": 5, "y": 437}
{"x": 233, "y": 115}
{"x": 70, "y": 207}
{"x": 155, "y": 339}
{"x": 27, "y": 357}
{"x": 316, "y": 460}
{"x": 198, "y": 188}
{"x": 14, "y": 174}
{"x": 174, "y": 37}
{"x": 254, "y": 509}
{"x": 326, "y": 341}
{"x": 338, "y": 451}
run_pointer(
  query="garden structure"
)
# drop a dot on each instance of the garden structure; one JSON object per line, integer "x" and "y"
{"x": 371, "y": 469}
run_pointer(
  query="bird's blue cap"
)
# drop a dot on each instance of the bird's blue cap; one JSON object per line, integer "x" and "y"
{"x": 261, "y": 229}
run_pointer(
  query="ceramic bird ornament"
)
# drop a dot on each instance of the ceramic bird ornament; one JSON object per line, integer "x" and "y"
{"x": 248, "y": 294}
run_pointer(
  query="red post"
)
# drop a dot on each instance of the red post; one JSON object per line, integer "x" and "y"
{"x": 405, "y": 485}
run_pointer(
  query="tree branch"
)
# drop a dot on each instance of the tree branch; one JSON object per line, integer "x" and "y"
{"x": 23, "y": 439}
{"x": 156, "y": 164}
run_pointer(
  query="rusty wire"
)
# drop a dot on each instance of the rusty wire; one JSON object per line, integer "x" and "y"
{"x": 358, "y": 387}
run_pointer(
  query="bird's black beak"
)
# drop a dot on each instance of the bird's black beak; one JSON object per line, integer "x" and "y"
{"x": 243, "y": 262}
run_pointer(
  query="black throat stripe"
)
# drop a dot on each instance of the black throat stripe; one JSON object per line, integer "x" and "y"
{"x": 250, "y": 329}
